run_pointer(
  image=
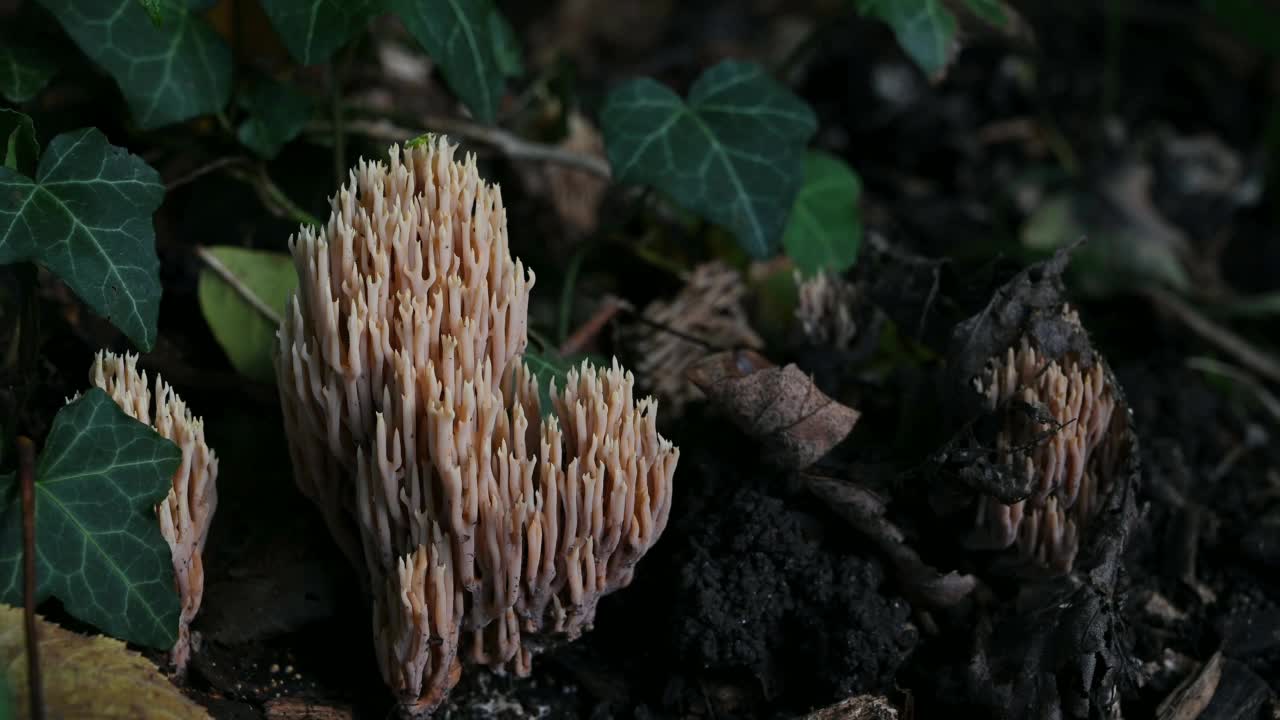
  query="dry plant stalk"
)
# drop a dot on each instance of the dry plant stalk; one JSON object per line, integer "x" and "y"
{"x": 483, "y": 531}
{"x": 185, "y": 514}
{"x": 1058, "y": 417}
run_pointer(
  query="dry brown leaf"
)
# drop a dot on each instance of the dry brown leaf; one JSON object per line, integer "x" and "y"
{"x": 300, "y": 709}
{"x": 780, "y": 406}
{"x": 860, "y": 707}
{"x": 88, "y": 676}
{"x": 1189, "y": 699}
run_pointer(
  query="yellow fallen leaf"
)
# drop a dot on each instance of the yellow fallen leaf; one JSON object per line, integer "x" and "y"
{"x": 88, "y": 677}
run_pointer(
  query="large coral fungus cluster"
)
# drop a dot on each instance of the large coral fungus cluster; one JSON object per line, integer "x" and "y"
{"x": 484, "y": 531}
{"x": 185, "y": 514}
{"x": 1059, "y": 434}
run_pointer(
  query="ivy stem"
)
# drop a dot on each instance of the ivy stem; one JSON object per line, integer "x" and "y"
{"x": 26, "y": 475}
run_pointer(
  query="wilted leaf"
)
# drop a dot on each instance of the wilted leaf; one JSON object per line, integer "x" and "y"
{"x": 239, "y": 316}
{"x": 278, "y": 113}
{"x": 24, "y": 72}
{"x": 88, "y": 676}
{"x": 925, "y": 29}
{"x": 98, "y": 544}
{"x": 825, "y": 228}
{"x": 313, "y": 30}
{"x": 460, "y": 38}
{"x": 733, "y": 153}
{"x": 168, "y": 73}
{"x": 779, "y": 406}
{"x": 87, "y": 218}
{"x": 19, "y": 150}
{"x": 549, "y": 367}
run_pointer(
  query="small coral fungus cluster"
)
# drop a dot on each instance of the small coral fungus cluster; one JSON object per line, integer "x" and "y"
{"x": 484, "y": 529}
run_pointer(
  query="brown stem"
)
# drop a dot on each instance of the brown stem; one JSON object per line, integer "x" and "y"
{"x": 592, "y": 327}
{"x": 26, "y": 475}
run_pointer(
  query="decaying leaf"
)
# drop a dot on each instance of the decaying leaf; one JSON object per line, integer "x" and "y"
{"x": 860, "y": 707}
{"x": 780, "y": 406}
{"x": 865, "y": 511}
{"x": 88, "y": 676}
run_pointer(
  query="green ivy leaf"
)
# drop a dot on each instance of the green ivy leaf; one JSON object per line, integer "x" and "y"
{"x": 87, "y": 218}
{"x": 19, "y": 150}
{"x": 924, "y": 28}
{"x": 155, "y": 11}
{"x": 169, "y": 73}
{"x": 278, "y": 113}
{"x": 733, "y": 154}
{"x": 506, "y": 45}
{"x": 459, "y": 37}
{"x": 24, "y": 72}
{"x": 991, "y": 11}
{"x": 239, "y": 322}
{"x": 98, "y": 544}
{"x": 313, "y": 30}
{"x": 825, "y": 229}
{"x": 549, "y": 367}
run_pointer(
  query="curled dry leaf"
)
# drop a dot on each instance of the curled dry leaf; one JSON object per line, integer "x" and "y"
{"x": 780, "y": 406}
{"x": 865, "y": 511}
{"x": 88, "y": 676}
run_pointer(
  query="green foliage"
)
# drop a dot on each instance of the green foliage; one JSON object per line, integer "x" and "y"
{"x": 238, "y": 322}
{"x": 825, "y": 228}
{"x": 24, "y": 72}
{"x": 461, "y": 37}
{"x": 924, "y": 28}
{"x": 155, "y": 10}
{"x": 98, "y": 544}
{"x": 168, "y": 73}
{"x": 733, "y": 153}
{"x": 506, "y": 44}
{"x": 87, "y": 218}
{"x": 991, "y": 11}
{"x": 550, "y": 367}
{"x": 18, "y": 147}
{"x": 313, "y": 30}
{"x": 1253, "y": 21}
{"x": 277, "y": 113}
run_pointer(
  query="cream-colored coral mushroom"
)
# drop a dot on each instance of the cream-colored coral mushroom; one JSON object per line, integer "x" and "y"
{"x": 483, "y": 531}
{"x": 1060, "y": 438}
{"x": 185, "y": 514}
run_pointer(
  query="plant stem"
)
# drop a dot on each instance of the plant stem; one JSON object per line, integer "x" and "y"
{"x": 26, "y": 475}
{"x": 273, "y": 197}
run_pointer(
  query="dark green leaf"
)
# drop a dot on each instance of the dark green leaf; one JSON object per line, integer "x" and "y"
{"x": 825, "y": 228}
{"x": 168, "y": 74}
{"x": 24, "y": 72}
{"x": 155, "y": 11}
{"x": 278, "y": 112}
{"x": 239, "y": 322}
{"x": 991, "y": 11}
{"x": 924, "y": 28}
{"x": 733, "y": 154}
{"x": 549, "y": 367}
{"x": 98, "y": 544}
{"x": 87, "y": 218}
{"x": 313, "y": 30}
{"x": 20, "y": 150}
{"x": 459, "y": 37}
{"x": 506, "y": 44}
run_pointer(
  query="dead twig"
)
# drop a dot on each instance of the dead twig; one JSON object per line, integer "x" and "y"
{"x": 508, "y": 144}
{"x": 209, "y": 167}
{"x": 1226, "y": 340}
{"x": 592, "y": 327}
{"x": 27, "y": 473}
{"x": 223, "y": 272}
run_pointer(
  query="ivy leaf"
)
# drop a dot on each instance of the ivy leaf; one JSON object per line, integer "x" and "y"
{"x": 991, "y": 11}
{"x": 313, "y": 30}
{"x": 733, "y": 153}
{"x": 18, "y": 147}
{"x": 167, "y": 73}
{"x": 155, "y": 11}
{"x": 924, "y": 28}
{"x": 238, "y": 316}
{"x": 87, "y": 218}
{"x": 825, "y": 229}
{"x": 506, "y": 44}
{"x": 459, "y": 37}
{"x": 98, "y": 544}
{"x": 24, "y": 72}
{"x": 278, "y": 113}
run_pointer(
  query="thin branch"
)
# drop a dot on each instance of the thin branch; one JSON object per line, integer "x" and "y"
{"x": 508, "y": 144}
{"x": 27, "y": 472}
{"x": 592, "y": 327}
{"x": 1238, "y": 347}
{"x": 211, "y": 166}
{"x": 273, "y": 197}
{"x": 223, "y": 272}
